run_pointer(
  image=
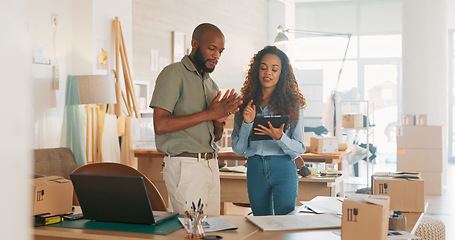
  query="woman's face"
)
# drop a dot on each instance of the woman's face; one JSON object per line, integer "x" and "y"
{"x": 269, "y": 71}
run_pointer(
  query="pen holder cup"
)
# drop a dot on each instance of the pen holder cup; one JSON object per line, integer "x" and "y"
{"x": 194, "y": 225}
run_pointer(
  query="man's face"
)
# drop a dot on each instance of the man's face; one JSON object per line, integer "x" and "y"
{"x": 208, "y": 51}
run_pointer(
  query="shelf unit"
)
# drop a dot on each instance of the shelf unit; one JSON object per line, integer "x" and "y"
{"x": 365, "y": 108}
{"x": 141, "y": 88}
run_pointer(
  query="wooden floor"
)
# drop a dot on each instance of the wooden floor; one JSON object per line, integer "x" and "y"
{"x": 441, "y": 207}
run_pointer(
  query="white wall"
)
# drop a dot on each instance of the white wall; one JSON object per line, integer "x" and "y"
{"x": 244, "y": 24}
{"x": 92, "y": 26}
{"x": 424, "y": 42}
{"x": 80, "y": 24}
{"x": 451, "y": 14}
{"x": 48, "y": 103}
{"x": 15, "y": 124}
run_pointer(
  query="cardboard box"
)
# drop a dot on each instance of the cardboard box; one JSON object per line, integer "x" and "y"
{"x": 307, "y": 137}
{"x": 397, "y": 223}
{"x": 414, "y": 119}
{"x": 352, "y": 120}
{"x": 433, "y": 182}
{"x": 365, "y": 217}
{"x": 324, "y": 145}
{"x": 402, "y": 174}
{"x": 419, "y": 137}
{"x": 406, "y": 191}
{"x": 419, "y": 160}
{"x": 420, "y": 119}
{"x": 53, "y": 195}
{"x": 407, "y": 119}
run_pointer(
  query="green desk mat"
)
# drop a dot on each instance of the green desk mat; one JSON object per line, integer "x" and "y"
{"x": 162, "y": 228}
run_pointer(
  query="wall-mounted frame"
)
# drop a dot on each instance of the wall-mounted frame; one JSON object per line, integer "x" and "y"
{"x": 178, "y": 46}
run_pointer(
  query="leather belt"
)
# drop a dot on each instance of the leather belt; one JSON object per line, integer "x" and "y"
{"x": 205, "y": 156}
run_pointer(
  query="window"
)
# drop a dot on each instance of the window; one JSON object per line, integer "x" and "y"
{"x": 372, "y": 70}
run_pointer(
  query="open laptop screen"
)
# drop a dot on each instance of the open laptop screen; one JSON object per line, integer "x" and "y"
{"x": 114, "y": 198}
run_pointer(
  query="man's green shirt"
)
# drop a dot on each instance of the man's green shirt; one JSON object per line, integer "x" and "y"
{"x": 180, "y": 90}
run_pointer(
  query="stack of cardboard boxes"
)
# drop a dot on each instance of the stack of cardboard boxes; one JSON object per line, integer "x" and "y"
{"x": 419, "y": 149}
{"x": 367, "y": 216}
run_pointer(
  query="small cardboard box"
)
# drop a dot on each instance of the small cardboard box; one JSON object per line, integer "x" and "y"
{"x": 307, "y": 137}
{"x": 397, "y": 223}
{"x": 324, "y": 145}
{"x": 406, "y": 191}
{"x": 419, "y": 137}
{"x": 352, "y": 120}
{"x": 365, "y": 217}
{"x": 414, "y": 119}
{"x": 433, "y": 182}
{"x": 52, "y": 194}
{"x": 420, "y": 119}
{"x": 408, "y": 119}
{"x": 419, "y": 160}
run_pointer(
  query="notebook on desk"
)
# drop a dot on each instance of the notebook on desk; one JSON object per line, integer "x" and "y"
{"x": 112, "y": 198}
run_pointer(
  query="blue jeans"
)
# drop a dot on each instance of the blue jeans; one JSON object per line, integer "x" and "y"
{"x": 272, "y": 184}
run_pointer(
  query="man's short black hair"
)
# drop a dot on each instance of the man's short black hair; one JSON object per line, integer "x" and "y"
{"x": 204, "y": 27}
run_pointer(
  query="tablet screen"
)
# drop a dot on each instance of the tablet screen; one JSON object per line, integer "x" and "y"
{"x": 276, "y": 122}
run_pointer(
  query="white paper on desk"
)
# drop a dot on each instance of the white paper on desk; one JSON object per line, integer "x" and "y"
{"x": 238, "y": 169}
{"x": 322, "y": 204}
{"x": 295, "y": 222}
{"x": 216, "y": 224}
{"x": 398, "y": 234}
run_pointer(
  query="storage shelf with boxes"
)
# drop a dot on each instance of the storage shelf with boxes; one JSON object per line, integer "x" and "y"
{"x": 357, "y": 124}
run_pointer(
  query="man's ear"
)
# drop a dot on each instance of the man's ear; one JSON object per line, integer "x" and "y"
{"x": 194, "y": 43}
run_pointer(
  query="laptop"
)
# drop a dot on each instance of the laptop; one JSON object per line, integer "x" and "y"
{"x": 112, "y": 198}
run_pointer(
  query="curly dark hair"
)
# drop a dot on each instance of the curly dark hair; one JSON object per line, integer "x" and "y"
{"x": 286, "y": 99}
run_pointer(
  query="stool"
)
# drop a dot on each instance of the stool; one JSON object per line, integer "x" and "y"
{"x": 431, "y": 228}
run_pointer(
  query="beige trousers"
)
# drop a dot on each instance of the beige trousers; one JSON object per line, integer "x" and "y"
{"x": 190, "y": 179}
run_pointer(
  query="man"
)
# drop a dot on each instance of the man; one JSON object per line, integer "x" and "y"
{"x": 189, "y": 114}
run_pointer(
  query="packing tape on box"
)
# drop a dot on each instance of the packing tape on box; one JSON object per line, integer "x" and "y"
{"x": 397, "y": 223}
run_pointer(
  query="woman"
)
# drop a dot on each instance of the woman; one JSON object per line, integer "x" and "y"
{"x": 270, "y": 88}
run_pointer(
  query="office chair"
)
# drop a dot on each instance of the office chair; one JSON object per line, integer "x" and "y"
{"x": 108, "y": 168}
